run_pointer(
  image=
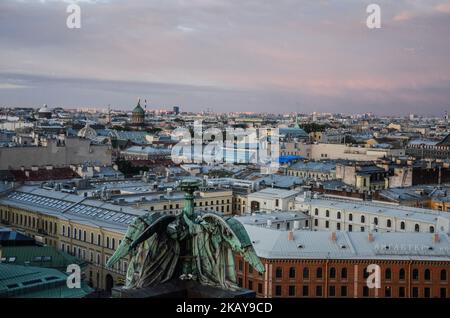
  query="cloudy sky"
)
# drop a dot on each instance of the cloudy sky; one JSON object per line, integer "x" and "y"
{"x": 228, "y": 55}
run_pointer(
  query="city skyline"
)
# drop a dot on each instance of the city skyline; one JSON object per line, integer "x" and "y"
{"x": 255, "y": 56}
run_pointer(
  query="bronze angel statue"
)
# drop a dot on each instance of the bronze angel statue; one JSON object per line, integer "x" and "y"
{"x": 191, "y": 245}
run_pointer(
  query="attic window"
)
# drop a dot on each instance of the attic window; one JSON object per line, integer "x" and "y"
{"x": 343, "y": 246}
{"x": 300, "y": 246}
{"x": 11, "y": 259}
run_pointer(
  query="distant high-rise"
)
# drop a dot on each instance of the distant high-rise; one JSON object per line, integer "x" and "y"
{"x": 176, "y": 110}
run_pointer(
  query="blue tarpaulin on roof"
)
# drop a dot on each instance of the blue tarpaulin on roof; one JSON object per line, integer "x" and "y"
{"x": 289, "y": 158}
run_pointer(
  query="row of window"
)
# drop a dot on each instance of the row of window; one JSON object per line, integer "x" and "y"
{"x": 343, "y": 291}
{"x": 29, "y": 221}
{"x": 81, "y": 235}
{"x": 292, "y": 273}
{"x": 375, "y": 220}
{"x": 82, "y": 254}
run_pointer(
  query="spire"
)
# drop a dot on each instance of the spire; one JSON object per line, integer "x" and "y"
{"x": 139, "y": 102}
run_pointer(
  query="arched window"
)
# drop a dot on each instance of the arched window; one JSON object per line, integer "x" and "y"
{"x": 350, "y": 217}
{"x": 388, "y": 274}
{"x": 401, "y": 274}
{"x": 417, "y": 228}
{"x": 75, "y": 233}
{"x": 344, "y": 273}
{"x": 375, "y": 221}
{"x": 92, "y": 238}
{"x": 68, "y": 231}
{"x": 431, "y": 229}
{"x": 332, "y": 272}
{"x": 339, "y": 215}
{"x": 316, "y": 211}
{"x": 427, "y": 274}
{"x": 305, "y": 273}
{"x": 79, "y": 235}
{"x": 84, "y": 236}
{"x": 443, "y": 275}
{"x": 319, "y": 272}
{"x": 388, "y": 223}
{"x": 292, "y": 272}
{"x": 402, "y": 225}
{"x": 107, "y": 242}
{"x": 278, "y": 272}
{"x": 327, "y": 213}
{"x": 63, "y": 230}
{"x": 113, "y": 245}
{"x": 99, "y": 240}
{"x": 363, "y": 219}
{"x": 415, "y": 274}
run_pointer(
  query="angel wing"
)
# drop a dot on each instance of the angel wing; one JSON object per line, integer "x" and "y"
{"x": 138, "y": 231}
{"x": 236, "y": 236}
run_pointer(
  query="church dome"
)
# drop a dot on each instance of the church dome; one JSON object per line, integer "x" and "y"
{"x": 44, "y": 110}
{"x": 138, "y": 110}
{"x": 87, "y": 132}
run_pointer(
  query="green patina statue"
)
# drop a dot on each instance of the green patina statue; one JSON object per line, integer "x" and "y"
{"x": 188, "y": 246}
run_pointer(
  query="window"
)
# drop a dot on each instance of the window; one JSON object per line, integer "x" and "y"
{"x": 401, "y": 292}
{"x": 388, "y": 274}
{"x": 332, "y": 291}
{"x": 79, "y": 235}
{"x": 333, "y": 273}
{"x": 318, "y": 291}
{"x": 343, "y": 291}
{"x": 278, "y": 290}
{"x": 327, "y": 213}
{"x": 292, "y": 272}
{"x": 365, "y": 291}
{"x": 416, "y": 228}
{"x": 344, "y": 273}
{"x": 339, "y": 215}
{"x": 415, "y": 274}
{"x": 291, "y": 290}
{"x": 350, "y": 228}
{"x": 350, "y": 217}
{"x": 431, "y": 229}
{"x": 316, "y": 222}
{"x": 107, "y": 242}
{"x": 75, "y": 233}
{"x": 402, "y": 225}
{"x": 278, "y": 272}
{"x": 427, "y": 274}
{"x": 99, "y": 240}
{"x": 250, "y": 284}
{"x": 327, "y": 224}
{"x": 305, "y": 273}
{"x": 443, "y": 292}
{"x": 84, "y": 236}
{"x": 260, "y": 290}
{"x": 68, "y": 232}
{"x": 363, "y": 219}
{"x": 443, "y": 275}
{"x": 338, "y": 226}
{"x": 92, "y": 238}
{"x": 387, "y": 291}
{"x": 389, "y": 223}
{"x": 319, "y": 272}
{"x": 316, "y": 211}
{"x": 401, "y": 274}
{"x": 375, "y": 221}
{"x": 240, "y": 266}
{"x": 277, "y": 202}
{"x": 63, "y": 230}
{"x": 427, "y": 292}
{"x": 305, "y": 290}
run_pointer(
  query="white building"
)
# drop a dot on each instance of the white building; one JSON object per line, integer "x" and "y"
{"x": 271, "y": 199}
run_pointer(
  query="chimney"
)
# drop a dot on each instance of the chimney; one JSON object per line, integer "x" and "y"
{"x": 436, "y": 238}
{"x": 290, "y": 236}
{"x": 370, "y": 237}
{"x": 333, "y": 236}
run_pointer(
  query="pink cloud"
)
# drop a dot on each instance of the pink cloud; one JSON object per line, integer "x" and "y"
{"x": 443, "y": 8}
{"x": 404, "y": 16}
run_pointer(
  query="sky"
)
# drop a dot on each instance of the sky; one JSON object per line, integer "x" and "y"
{"x": 228, "y": 55}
